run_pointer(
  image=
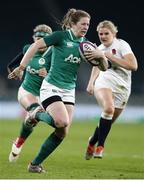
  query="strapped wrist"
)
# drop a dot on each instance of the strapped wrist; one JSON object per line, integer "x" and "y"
{"x": 21, "y": 67}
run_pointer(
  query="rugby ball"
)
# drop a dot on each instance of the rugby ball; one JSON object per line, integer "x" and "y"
{"x": 84, "y": 46}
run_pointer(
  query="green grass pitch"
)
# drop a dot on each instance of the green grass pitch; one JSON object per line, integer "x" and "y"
{"x": 123, "y": 155}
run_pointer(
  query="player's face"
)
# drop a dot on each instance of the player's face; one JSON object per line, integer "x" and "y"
{"x": 106, "y": 36}
{"x": 81, "y": 27}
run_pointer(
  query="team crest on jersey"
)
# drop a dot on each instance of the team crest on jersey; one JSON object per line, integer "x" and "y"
{"x": 113, "y": 51}
{"x": 69, "y": 44}
{"x": 41, "y": 61}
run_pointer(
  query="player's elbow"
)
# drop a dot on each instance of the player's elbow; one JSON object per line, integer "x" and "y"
{"x": 134, "y": 67}
{"x": 134, "y": 64}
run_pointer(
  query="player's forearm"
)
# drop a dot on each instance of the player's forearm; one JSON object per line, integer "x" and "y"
{"x": 31, "y": 51}
{"x": 28, "y": 55}
{"x": 128, "y": 62}
{"x": 124, "y": 63}
{"x": 94, "y": 74}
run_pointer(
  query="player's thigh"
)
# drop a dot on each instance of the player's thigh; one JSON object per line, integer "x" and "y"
{"x": 25, "y": 98}
{"x": 104, "y": 97}
{"x": 62, "y": 132}
{"x": 58, "y": 111}
{"x": 70, "y": 110}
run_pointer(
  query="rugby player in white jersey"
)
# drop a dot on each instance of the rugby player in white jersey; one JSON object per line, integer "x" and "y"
{"x": 111, "y": 88}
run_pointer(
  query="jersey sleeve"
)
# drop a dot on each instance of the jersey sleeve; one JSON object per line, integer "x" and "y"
{"x": 125, "y": 48}
{"x": 54, "y": 39}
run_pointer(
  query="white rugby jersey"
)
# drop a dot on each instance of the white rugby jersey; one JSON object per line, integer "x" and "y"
{"x": 118, "y": 48}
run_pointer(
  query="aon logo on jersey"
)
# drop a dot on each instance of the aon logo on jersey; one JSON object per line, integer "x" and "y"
{"x": 73, "y": 59}
{"x": 32, "y": 70}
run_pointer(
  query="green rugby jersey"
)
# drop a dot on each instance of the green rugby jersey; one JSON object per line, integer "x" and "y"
{"x": 32, "y": 81}
{"x": 65, "y": 60}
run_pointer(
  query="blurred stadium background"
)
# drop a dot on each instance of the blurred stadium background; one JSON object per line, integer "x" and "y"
{"x": 18, "y": 18}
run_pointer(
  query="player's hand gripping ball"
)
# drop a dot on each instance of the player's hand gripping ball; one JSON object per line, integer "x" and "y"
{"x": 86, "y": 46}
{"x": 100, "y": 61}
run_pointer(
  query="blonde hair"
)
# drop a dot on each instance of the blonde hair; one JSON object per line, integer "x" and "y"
{"x": 42, "y": 28}
{"x": 73, "y": 16}
{"x": 109, "y": 25}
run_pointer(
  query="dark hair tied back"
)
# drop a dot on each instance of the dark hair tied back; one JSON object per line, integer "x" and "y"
{"x": 73, "y": 16}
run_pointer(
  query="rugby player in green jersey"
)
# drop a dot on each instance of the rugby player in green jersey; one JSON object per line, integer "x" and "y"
{"x": 29, "y": 91}
{"x": 57, "y": 92}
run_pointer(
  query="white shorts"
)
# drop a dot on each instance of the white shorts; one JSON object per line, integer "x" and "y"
{"x": 22, "y": 93}
{"x": 120, "y": 92}
{"x": 48, "y": 90}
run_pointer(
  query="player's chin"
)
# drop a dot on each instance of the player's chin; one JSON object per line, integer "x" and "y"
{"x": 83, "y": 34}
{"x": 105, "y": 43}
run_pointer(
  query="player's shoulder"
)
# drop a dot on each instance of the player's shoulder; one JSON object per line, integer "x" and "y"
{"x": 121, "y": 41}
{"x": 59, "y": 32}
{"x": 122, "y": 45}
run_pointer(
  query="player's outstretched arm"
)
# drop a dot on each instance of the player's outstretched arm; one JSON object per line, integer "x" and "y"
{"x": 14, "y": 62}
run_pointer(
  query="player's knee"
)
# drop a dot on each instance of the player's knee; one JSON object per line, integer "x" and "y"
{"x": 109, "y": 110}
{"x": 60, "y": 123}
